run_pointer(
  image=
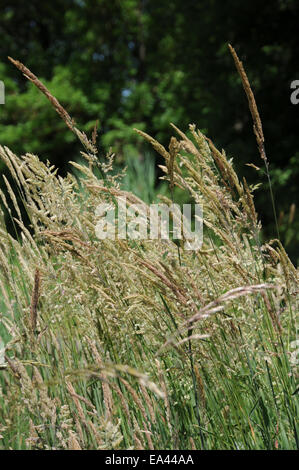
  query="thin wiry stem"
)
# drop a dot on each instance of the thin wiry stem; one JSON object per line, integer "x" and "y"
{"x": 257, "y": 125}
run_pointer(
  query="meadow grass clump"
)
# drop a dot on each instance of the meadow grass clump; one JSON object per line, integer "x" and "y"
{"x": 125, "y": 344}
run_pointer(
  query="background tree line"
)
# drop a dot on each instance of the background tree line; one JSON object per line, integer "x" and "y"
{"x": 146, "y": 63}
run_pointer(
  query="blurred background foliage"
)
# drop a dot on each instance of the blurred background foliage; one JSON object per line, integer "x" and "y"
{"x": 146, "y": 63}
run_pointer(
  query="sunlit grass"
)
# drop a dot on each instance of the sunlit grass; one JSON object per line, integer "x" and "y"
{"x": 127, "y": 344}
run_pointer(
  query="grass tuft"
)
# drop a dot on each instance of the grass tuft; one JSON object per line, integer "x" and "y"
{"x": 142, "y": 344}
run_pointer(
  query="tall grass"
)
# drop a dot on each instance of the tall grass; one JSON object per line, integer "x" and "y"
{"x": 143, "y": 345}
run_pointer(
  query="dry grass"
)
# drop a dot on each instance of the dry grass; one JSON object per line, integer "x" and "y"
{"x": 139, "y": 344}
